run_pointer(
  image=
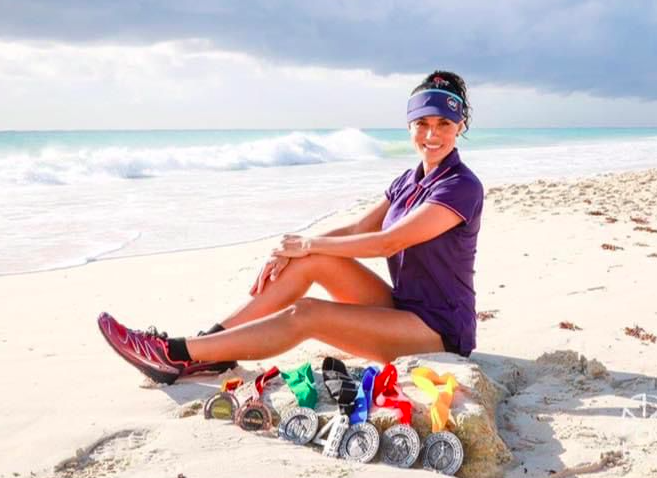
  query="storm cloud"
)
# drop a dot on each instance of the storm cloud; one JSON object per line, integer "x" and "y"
{"x": 604, "y": 48}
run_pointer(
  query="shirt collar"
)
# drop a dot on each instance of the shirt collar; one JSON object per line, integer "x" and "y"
{"x": 451, "y": 160}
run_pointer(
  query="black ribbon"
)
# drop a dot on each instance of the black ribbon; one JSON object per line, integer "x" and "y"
{"x": 341, "y": 386}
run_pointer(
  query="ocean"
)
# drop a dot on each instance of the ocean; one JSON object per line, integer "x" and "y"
{"x": 72, "y": 197}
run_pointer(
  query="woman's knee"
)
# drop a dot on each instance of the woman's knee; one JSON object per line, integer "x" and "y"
{"x": 313, "y": 265}
{"x": 302, "y": 313}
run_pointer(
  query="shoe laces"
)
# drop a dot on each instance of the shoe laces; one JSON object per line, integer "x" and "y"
{"x": 152, "y": 331}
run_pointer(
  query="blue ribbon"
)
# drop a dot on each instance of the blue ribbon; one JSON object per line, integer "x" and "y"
{"x": 363, "y": 400}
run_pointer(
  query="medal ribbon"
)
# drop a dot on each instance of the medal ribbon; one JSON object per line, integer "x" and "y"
{"x": 387, "y": 394}
{"x": 341, "y": 386}
{"x": 427, "y": 380}
{"x": 231, "y": 384}
{"x": 363, "y": 400}
{"x": 261, "y": 380}
{"x": 302, "y": 383}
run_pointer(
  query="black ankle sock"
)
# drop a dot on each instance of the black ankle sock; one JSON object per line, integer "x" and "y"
{"x": 178, "y": 350}
{"x": 214, "y": 329}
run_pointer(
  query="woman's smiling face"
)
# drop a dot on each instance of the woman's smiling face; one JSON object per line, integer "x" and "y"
{"x": 434, "y": 137}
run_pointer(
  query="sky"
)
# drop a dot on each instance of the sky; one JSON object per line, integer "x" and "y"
{"x": 146, "y": 64}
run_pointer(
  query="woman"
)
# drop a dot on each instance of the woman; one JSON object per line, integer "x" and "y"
{"x": 426, "y": 227}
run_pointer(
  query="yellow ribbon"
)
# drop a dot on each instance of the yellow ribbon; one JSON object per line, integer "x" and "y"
{"x": 427, "y": 380}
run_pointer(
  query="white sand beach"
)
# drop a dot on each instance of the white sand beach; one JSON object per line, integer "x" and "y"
{"x": 578, "y": 251}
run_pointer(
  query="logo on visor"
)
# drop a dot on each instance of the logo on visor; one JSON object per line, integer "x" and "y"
{"x": 453, "y": 104}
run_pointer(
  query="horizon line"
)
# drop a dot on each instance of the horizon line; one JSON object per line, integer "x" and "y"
{"x": 134, "y": 130}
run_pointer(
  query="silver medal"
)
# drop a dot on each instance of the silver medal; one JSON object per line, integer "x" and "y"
{"x": 443, "y": 452}
{"x": 298, "y": 425}
{"x": 400, "y": 446}
{"x": 335, "y": 428}
{"x": 360, "y": 443}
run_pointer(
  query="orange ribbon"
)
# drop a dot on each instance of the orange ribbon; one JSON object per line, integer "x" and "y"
{"x": 427, "y": 380}
{"x": 231, "y": 384}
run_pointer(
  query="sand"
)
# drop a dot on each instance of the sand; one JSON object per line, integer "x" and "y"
{"x": 579, "y": 251}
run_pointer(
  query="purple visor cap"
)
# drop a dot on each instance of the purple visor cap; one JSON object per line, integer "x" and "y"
{"x": 434, "y": 102}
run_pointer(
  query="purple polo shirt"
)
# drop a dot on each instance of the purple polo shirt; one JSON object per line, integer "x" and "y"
{"x": 434, "y": 279}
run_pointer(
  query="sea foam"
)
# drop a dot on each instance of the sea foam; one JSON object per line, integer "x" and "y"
{"x": 53, "y": 165}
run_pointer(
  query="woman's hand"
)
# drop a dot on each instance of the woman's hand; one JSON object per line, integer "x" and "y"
{"x": 293, "y": 246}
{"x": 271, "y": 270}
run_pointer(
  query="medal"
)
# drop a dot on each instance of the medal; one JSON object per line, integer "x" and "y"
{"x": 387, "y": 394}
{"x": 298, "y": 425}
{"x": 360, "y": 443}
{"x": 302, "y": 383}
{"x": 340, "y": 385}
{"x": 254, "y": 415}
{"x": 342, "y": 388}
{"x": 224, "y": 404}
{"x": 443, "y": 453}
{"x": 363, "y": 401}
{"x": 246, "y": 393}
{"x": 400, "y": 446}
{"x": 334, "y": 431}
{"x": 426, "y": 379}
{"x": 361, "y": 440}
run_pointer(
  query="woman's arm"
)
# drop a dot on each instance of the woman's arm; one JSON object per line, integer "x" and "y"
{"x": 425, "y": 223}
{"x": 371, "y": 221}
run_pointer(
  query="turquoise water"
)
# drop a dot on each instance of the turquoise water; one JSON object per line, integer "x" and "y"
{"x": 477, "y": 138}
{"x": 70, "y": 197}
{"x": 34, "y": 141}
{"x": 484, "y": 138}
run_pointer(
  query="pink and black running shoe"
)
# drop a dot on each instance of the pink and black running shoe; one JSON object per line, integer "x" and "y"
{"x": 149, "y": 352}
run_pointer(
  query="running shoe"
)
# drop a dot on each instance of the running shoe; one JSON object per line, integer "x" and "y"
{"x": 149, "y": 352}
{"x": 211, "y": 367}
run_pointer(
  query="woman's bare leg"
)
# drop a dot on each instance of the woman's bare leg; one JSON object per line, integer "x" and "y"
{"x": 375, "y": 333}
{"x": 345, "y": 279}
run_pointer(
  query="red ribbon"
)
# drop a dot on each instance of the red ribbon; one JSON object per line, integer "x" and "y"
{"x": 262, "y": 379}
{"x": 387, "y": 394}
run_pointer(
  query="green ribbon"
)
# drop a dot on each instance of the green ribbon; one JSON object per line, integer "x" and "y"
{"x": 302, "y": 383}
